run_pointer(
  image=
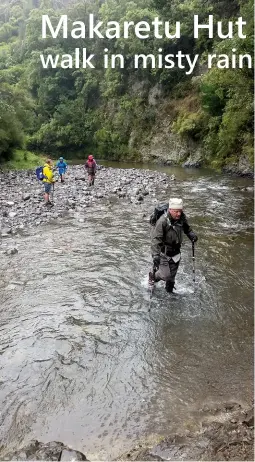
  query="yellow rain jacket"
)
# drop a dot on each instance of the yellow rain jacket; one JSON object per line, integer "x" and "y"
{"x": 47, "y": 171}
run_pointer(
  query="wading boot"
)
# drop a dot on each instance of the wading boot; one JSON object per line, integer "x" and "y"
{"x": 169, "y": 286}
{"x": 151, "y": 280}
{"x": 49, "y": 204}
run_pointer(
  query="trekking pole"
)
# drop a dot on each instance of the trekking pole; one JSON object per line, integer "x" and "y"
{"x": 52, "y": 192}
{"x": 193, "y": 261}
{"x": 152, "y": 285}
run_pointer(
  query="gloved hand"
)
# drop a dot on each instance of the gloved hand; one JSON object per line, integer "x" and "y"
{"x": 192, "y": 236}
{"x": 156, "y": 261}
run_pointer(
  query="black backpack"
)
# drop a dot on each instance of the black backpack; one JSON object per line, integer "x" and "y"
{"x": 158, "y": 211}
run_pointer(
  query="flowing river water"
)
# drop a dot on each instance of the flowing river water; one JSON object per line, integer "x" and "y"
{"x": 83, "y": 360}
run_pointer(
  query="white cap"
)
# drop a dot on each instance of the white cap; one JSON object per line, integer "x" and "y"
{"x": 175, "y": 204}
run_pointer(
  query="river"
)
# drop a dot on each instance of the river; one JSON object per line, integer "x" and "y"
{"x": 84, "y": 361}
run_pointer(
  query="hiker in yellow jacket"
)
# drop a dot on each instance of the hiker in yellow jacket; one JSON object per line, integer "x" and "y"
{"x": 48, "y": 180}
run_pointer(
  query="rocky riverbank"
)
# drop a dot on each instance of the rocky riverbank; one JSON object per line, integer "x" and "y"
{"x": 22, "y": 204}
{"x": 44, "y": 451}
{"x": 226, "y": 434}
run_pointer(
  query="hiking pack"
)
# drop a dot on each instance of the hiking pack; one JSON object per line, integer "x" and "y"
{"x": 39, "y": 173}
{"x": 158, "y": 211}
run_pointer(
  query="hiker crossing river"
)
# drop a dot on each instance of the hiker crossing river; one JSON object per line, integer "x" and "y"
{"x": 166, "y": 242}
{"x": 83, "y": 359}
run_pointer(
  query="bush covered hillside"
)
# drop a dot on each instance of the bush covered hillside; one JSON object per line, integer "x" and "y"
{"x": 125, "y": 113}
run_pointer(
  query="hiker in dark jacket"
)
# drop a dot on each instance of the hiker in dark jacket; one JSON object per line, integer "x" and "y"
{"x": 167, "y": 237}
{"x": 91, "y": 167}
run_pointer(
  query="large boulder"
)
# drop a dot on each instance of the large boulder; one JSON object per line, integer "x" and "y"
{"x": 53, "y": 450}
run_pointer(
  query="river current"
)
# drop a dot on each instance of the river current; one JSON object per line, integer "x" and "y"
{"x": 84, "y": 361}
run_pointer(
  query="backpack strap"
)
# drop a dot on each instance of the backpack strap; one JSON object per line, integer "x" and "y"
{"x": 168, "y": 225}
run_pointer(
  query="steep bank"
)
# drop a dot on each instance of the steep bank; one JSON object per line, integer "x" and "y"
{"x": 176, "y": 132}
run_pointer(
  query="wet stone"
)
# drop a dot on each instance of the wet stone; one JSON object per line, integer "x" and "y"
{"x": 11, "y": 251}
{"x": 6, "y": 231}
{"x": 9, "y": 203}
{"x": 69, "y": 455}
{"x": 249, "y": 419}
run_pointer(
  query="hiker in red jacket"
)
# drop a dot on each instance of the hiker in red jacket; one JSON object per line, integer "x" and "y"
{"x": 91, "y": 167}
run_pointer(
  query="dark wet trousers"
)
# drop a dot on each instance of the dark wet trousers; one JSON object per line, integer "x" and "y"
{"x": 167, "y": 272}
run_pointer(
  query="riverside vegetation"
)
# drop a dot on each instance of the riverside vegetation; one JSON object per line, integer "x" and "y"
{"x": 160, "y": 115}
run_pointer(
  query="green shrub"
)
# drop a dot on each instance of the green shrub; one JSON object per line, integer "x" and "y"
{"x": 192, "y": 124}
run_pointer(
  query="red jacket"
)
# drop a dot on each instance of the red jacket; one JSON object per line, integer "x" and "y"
{"x": 91, "y": 167}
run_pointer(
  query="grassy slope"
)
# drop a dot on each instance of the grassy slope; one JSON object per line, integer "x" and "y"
{"x": 23, "y": 160}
